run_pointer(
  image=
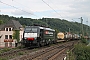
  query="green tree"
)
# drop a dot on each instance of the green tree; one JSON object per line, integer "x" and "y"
{"x": 16, "y": 35}
{"x": 1, "y": 22}
{"x": 55, "y": 23}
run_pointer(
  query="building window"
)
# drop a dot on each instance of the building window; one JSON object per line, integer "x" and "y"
{"x": 10, "y": 36}
{"x": 6, "y": 29}
{"x": 9, "y": 29}
{"x": 6, "y": 36}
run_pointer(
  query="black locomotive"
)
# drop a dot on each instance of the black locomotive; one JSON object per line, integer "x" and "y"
{"x": 38, "y": 36}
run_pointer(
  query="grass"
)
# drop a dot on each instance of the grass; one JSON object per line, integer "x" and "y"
{"x": 4, "y": 50}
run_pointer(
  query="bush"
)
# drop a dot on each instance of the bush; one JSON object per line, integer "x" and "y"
{"x": 83, "y": 40}
{"x": 82, "y": 52}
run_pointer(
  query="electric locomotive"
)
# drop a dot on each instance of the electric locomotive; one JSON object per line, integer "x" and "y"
{"x": 38, "y": 36}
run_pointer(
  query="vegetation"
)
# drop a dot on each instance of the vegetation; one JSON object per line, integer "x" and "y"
{"x": 16, "y": 35}
{"x": 20, "y": 53}
{"x": 84, "y": 41}
{"x": 81, "y": 51}
{"x": 1, "y": 22}
{"x": 3, "y": 59}
{"x": 4, "y": 50}
{"x": 55, "y": 23}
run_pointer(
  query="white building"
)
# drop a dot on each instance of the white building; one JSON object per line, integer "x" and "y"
{"x": 6, "y": 33}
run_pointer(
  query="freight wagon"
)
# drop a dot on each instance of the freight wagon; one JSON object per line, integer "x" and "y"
{"x": 67, "y": 36}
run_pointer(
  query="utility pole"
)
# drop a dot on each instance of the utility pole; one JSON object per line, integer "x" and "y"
{"x": 82, "y": 32}
{"x": 69, "y": 30}
{"x": 87, "y": 28}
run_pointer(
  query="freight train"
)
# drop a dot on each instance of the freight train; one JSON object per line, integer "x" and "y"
{"x": 38, "y": 36}
{"x": 67, "y": 36}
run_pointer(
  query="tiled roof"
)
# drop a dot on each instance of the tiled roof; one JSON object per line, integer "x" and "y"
{"x": 1, "y": 26}
{"x": 12, "y": 23}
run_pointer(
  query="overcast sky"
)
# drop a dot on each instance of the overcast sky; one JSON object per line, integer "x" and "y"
{"x": 70, "y": 10}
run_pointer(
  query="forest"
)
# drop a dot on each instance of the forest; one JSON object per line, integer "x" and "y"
{"x": 60, "y": 25}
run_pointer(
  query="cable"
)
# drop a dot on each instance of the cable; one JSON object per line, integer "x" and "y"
{"x": 17, "y": 8}
{"x": 51, "y": 8}
{"x": 57, "y": 7}
{"x": 21, "y": 4}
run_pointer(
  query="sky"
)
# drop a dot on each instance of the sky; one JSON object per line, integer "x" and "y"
{"x": 71, "y": 10}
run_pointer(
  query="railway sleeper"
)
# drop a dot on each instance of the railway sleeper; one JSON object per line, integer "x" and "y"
{"x": 53, "y": 54}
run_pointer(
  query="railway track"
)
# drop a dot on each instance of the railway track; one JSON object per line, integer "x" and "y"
{"x": 15, "y": 53}
{"x": 49, "y": 53}
{"x": 12, "y": 53}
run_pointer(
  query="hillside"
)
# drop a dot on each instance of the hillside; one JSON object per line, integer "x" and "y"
{"x": 55, "y": 23}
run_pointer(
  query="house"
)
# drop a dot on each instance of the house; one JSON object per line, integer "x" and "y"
{"x": 6, "y": 33}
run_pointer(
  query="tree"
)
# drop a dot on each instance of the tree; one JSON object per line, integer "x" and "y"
{"x": 55, "y": 23}
{"x": 1, "y": 22}
{"x": 16, "y": 35}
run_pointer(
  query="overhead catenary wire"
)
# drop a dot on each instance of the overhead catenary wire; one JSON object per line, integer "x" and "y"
{"x": 22, "y": 4}
{"x": 44, "y": 2}
{"x": 57, "y": 8}
{"x": 51, "y": 8}
{"x": 17, "y": 8}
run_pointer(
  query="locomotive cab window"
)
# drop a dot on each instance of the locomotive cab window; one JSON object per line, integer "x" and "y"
{"x": 31, "y": 30}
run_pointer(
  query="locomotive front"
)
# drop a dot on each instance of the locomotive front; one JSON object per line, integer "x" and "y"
{"x": 30, "y": 35}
